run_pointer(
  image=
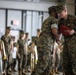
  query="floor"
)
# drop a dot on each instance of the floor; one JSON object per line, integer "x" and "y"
{"x": 16, "y": 73}
{"x": 30, "y": 74}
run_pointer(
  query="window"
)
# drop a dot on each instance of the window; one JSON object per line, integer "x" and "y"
{"x": 32, "y": 20}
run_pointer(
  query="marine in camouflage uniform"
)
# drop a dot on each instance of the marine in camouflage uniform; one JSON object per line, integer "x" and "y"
{"x": 69, "y": 50}
{"x": 8, "y": 47}
{"x": 35, "y": 38}
{"x": 44, "y": 45}
{"x": 22, "y": 53}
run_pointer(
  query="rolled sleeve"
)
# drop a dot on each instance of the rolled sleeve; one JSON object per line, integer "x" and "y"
{"x": 54, "y": 26}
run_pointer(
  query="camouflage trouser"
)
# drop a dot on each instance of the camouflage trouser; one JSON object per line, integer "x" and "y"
{"x": 9, "y": 60}
{"x": 69, "y": 60}
{"x": 44, "y": 63}
{"x": 22, "y": 62}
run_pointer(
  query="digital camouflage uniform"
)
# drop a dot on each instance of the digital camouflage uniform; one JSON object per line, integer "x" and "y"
{"x": 44, "y": 48}
{"x": 22, "y": 60}
{"x": 35, "y": 40}
{"x": 7, "y": 43}
{"x": 69, "y": 50}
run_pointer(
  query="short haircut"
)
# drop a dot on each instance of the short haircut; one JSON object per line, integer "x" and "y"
{"x": 52, "y": 9}
{"x": 8, "y": 28}
{"x": 38, "y": 30}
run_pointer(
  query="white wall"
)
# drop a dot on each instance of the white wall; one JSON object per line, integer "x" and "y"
{"x": 26, "y": 5}
{"x": 37, "y": 6}
{"x": 2, "y": 21}
{"x": 49, "y": 0}
{"x": 14, "y": 15}
{"x": 34, "y": 0}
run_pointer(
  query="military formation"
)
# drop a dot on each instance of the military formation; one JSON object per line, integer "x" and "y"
{"x": 47, "y": 52}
